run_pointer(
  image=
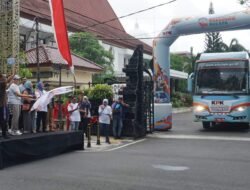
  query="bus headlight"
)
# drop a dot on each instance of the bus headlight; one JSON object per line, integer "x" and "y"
{"x": 199, "y": 108}
{"x": 240, "y": 109}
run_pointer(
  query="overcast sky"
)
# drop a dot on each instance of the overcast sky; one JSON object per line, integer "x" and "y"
{"x": 153, "y": 21}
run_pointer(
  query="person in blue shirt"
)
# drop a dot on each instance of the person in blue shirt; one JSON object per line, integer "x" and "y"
{"x": 117, "y": 115}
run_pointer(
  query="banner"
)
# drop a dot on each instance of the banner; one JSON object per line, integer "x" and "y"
{"x": 60, "y": 31}
{"x": 46, "y": 98}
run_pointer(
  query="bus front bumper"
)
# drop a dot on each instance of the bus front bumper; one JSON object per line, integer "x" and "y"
{"x": 236, "y": 117}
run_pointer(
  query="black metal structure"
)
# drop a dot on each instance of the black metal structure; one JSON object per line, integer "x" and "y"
{"x": 134, "y": 95}
{"x": 138, "y": 94}
{"x": 149, "y": 101}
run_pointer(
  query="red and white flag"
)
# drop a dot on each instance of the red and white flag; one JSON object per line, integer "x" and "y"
{"x": 60, "y": 31}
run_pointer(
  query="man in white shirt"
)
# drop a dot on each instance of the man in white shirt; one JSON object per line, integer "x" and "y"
{"x": 14, "y": 100}
{"x": 105, "y": 113}
{"x": 75, "y": 118}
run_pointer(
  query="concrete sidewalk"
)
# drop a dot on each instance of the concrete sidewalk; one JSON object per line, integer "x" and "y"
{"x": 182, "y": 110}
{"x": 114, "y": 143}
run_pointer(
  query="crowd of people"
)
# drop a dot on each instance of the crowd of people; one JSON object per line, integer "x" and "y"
{"x": 17, "y": 96}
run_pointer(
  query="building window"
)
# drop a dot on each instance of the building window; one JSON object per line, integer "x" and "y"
{"x": 22, "y": 42}
{"x": 42, "y": 41}
{"x": 125, "y": 62}
{"x": 32, "y": 42}
{"x": 52, "y": 43}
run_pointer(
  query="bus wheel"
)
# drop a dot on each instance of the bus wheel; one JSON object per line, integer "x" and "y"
{"x": 206, "y": 125}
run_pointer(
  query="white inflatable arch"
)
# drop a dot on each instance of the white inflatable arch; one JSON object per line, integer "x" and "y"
{"x": 161, "y": 55}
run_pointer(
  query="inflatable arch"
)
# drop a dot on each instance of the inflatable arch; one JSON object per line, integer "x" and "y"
{"x": 161, "y": 55}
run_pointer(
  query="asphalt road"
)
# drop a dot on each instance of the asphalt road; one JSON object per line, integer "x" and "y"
{"x": 185, "y": 158}
{"x": 183, "y": 124}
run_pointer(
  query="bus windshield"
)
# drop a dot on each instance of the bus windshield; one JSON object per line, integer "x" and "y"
{"x": 221, "y": 78}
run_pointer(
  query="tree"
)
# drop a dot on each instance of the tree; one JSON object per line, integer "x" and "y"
{"x": 86, "y": 45}
{"x": 214, "y": 43}
{"x": 23, "y": 70}
{"x": 213, "y": 40}
{"x": 235, "y": 46}
{"x": 181, "y": 63}
{"x": 244, "y": 2}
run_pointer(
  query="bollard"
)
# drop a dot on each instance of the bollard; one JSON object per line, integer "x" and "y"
{"x": 98, "y": 142}
{"x": 83, "y": 139}
{"x": 83, "y": 142}
{"x": 89, "y": 136}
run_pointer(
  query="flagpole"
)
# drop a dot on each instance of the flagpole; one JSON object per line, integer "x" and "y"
{"x": 74, "y": 82}
{"x": 37, "y": 50}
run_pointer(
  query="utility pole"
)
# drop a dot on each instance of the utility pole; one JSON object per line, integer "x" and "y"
{"x": 60, "y": 113}
{"x": 60, "y": 74}
{"x": 37, "y": 50}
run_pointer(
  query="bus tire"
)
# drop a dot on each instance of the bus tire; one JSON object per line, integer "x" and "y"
{"x": 206, "y": 124}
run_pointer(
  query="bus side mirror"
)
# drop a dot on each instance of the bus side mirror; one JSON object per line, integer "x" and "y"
{"x": 190, "y": 83}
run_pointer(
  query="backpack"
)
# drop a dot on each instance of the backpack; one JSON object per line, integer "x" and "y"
{"x": 117, "y": 109}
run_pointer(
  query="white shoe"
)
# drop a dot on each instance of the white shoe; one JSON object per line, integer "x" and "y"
{"x": 9, "y": 131}
{"x": 18, "y": 132}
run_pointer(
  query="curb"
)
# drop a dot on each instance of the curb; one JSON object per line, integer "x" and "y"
{"x": 104, "y": 146}
{"x": 182, "y": 110}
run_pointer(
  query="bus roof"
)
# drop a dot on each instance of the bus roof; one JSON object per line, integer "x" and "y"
{"x": 206, "y": 57}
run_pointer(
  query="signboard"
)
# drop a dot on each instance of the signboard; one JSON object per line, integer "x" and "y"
{"x": 228, "y": 64}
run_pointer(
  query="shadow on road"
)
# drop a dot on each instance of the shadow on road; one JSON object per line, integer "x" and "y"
{"x": 226, "y": 128}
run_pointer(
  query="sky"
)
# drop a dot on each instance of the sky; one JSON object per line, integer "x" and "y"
{"x": 153, "y": 21}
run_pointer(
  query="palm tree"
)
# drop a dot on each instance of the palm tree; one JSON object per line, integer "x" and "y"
{"x": 236, "y": 46}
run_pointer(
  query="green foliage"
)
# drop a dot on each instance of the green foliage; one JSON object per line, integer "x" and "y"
{"x": 86, "y": 45}
{"x": 100, "y": 92}
{"x": 181, "y": 100}
{"x": 236, "y": 46}
{"x": 244, "y": 2}
{"x": 23, "y": 70}
{"x": 101, "y": 78}
{"x": 87, "y": 91}
{"x": 182, "y": 85}
{"x": 214, "y": 43}
{"x": 181, "y": 63}
{"x": 79, "y": 91}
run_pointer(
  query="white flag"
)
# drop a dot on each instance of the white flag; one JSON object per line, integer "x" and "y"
{"x": 45, "y": 99}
